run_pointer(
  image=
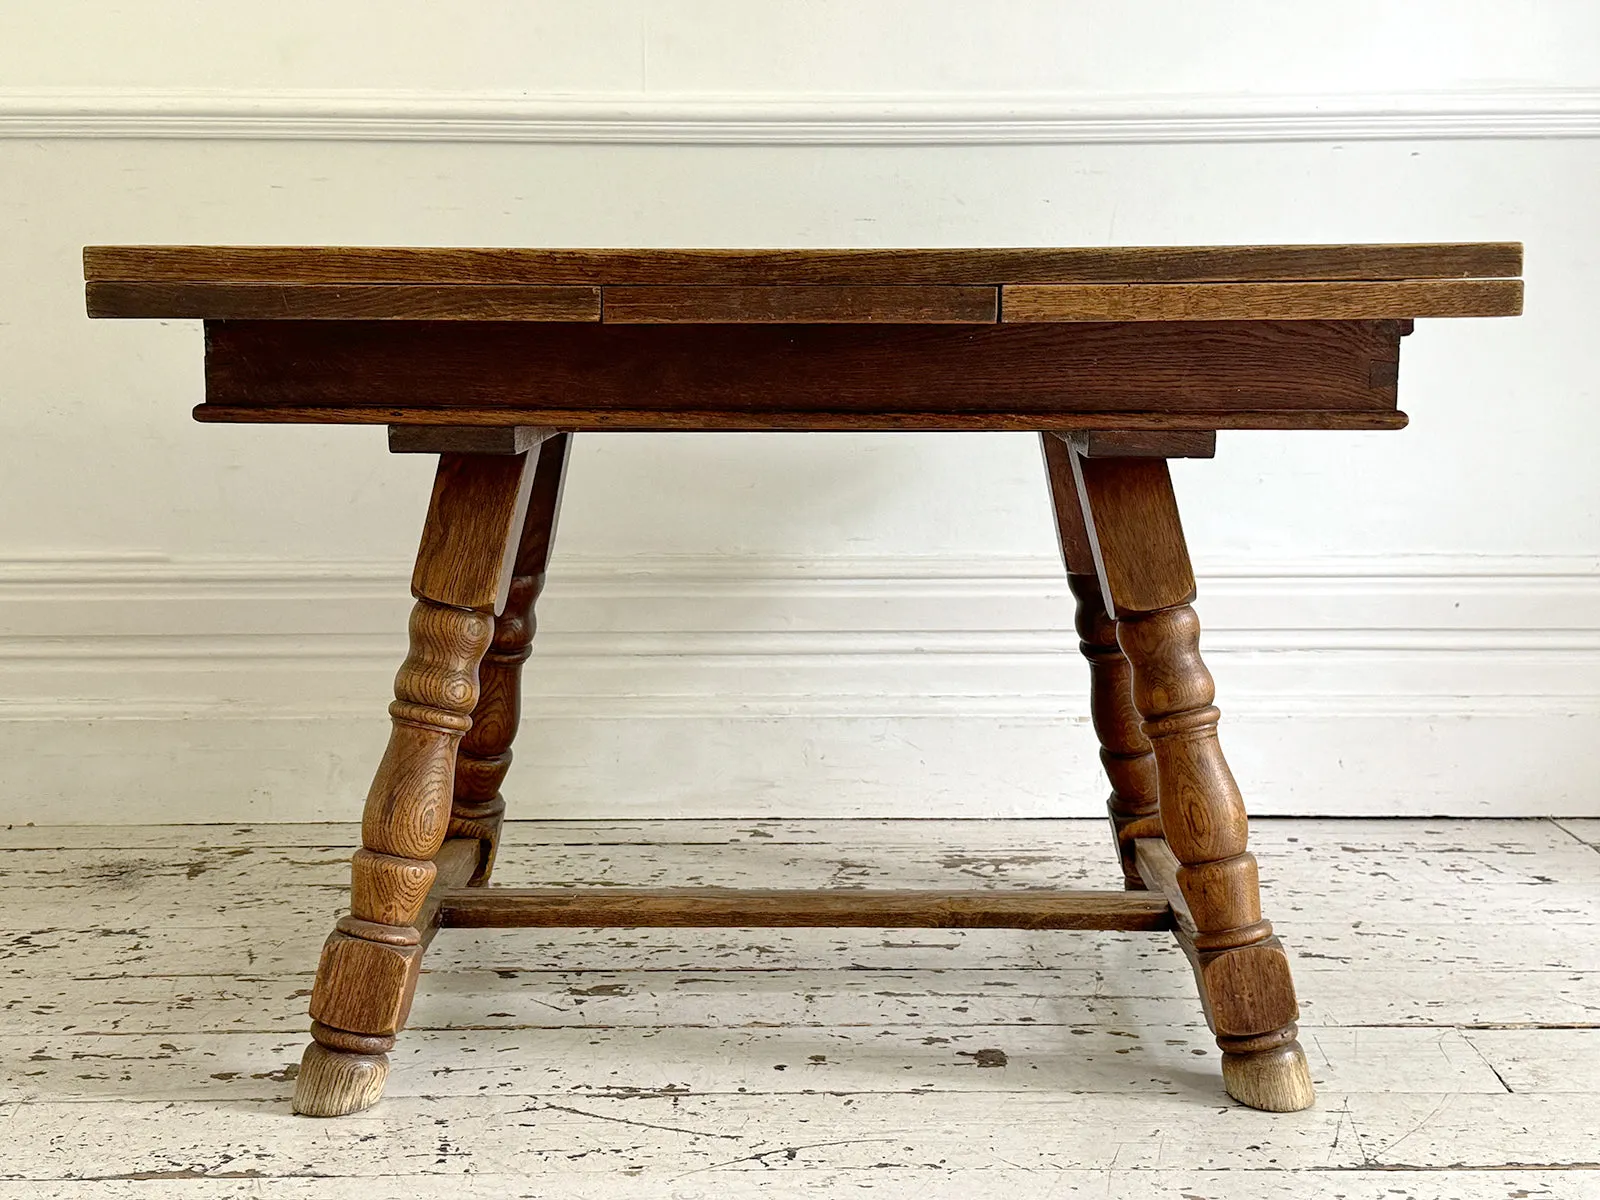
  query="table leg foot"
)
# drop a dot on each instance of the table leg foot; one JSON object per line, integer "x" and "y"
{"x": 370, "y": 963}
{"x": 1277, "y": 1080}
{"x": 333, "y": 1083}
{"x": 1201, "y": 858}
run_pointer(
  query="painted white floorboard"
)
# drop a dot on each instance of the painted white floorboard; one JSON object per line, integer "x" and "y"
{"x": 153, "y": 983}
{"x": 1174, "y": 1059}
{"x": 880, "y": 1182}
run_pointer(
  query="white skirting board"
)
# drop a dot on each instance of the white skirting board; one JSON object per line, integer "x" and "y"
{"x": 135, "y": 690}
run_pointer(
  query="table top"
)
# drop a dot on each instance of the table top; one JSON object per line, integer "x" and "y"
{"x": 890, "y": 286}
{"x": 1180, "y": 338}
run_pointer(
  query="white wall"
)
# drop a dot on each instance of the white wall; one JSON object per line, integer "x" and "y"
{"x": 201, "y": 622}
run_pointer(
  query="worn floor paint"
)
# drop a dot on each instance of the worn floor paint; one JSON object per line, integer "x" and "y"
{"x": 153, "y": 984}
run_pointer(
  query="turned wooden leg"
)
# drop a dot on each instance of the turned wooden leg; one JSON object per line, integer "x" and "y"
{"x": 484, "y": 756}
{"x": 1124, "y": 750}
{"x": 369, "y": 965}
{"x": 1243, "y": 974}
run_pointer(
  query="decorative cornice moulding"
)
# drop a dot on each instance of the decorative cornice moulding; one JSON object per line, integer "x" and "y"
{"x": 773, "y": 119}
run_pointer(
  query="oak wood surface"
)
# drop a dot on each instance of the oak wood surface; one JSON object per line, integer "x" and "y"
{"x": 930, "y": 304}
{"x": 1160, "y": 367}
{"x": 368, "y": 971}
{"x": 1134, "y": 529}
{"x": 484, "y": 756}
{"x": 343, "y": 301}
{"x": 1242, "y": 973}
{"x": 1124, "y": 751}
{"x": 828, "y": 907}
{"x": 1315, "y": 301}
{"x": 1146, "y": 443}
{"x": 466, "y": 439}
{"x": 469, "y": 537}
{"x": 778, "y": 419}
{"x": 373, "y": 264}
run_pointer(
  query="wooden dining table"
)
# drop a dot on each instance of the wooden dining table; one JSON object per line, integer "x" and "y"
{"x": 494, "y": 359}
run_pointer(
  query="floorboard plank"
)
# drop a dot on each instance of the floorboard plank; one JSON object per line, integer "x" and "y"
{"x": 153, "y": 983}
{"x": 1172, "y": 1058}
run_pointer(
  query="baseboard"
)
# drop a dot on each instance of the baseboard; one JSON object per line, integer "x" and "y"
{"x": 141, "y": 689}
{"x": 776, "y": 119}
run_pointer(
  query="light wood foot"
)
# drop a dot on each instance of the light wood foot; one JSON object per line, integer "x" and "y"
{"x": 332, "y": 1083}
{"x": 1272, "y": 1080}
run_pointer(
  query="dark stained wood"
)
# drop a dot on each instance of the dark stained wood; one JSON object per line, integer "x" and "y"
{"x": 1125, "y": 752}
{"x": 469, "y": 539}
{"x": 1314, "y": 301}
{"x": 1169, "y": 368}
{"x": 1146, "y": 443}
{"x": 343, "y": 302}
{"x": 1152, "y": 264}
{"x": 926, "y": 305}
{"x": 1072, "y": 535}
{"x": 817, "y": 419}
{"x": 466, "y": 439}
{"x": 484, "y": 908}
{"x": 485, "y": 753}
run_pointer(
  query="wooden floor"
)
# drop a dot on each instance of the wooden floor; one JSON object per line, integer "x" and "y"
{"x": 154, "y": 983}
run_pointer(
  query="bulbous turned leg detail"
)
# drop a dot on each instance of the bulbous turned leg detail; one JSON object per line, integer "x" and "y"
{"x": 370, "y": 963}
{"x": 1240, "y": 967}
{"x": 1124, "y": 751}
{"x": 484, "y": 757}
{"x": 369, "y": 967}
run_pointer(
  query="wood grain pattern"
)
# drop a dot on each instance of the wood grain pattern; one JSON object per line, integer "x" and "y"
{"x": 368, "y": 972}
{"x": 831, "y": 908}
{"x": 466, "y": 439}
{"x": 1146, "y": 443}
{"x": 476, "y": 511}
{"x": 585, "y": 267}
{"x": 1212, "y": 368}
{"x": 1140, "y": 553}
{"x": 1268, "y": 1073}
{"x": 1124, "y": 751}
{"x": 931, "y": 304}
{"x": 624, "y": 419}
{"x": 484, "y": 756}
{"x": 1240, "y": 968}
{"x": 188, "y": 300}
{"x": 1312, "y": 301}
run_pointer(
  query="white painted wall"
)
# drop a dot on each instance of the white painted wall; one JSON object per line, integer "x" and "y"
{"x": 200, "y": 622}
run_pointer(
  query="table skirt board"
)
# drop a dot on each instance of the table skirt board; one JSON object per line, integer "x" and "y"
{"x": 494, "y": 359}
{"x": 1255, "y": 374}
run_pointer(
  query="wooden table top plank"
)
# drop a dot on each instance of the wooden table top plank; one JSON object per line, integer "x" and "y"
{"x": 343, "y": 301}
{"x": 767, "y": 420}
{"x": 1318, "y": 301}
{"x": 929, "y": 304}
{"x": 992, "y": 266}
